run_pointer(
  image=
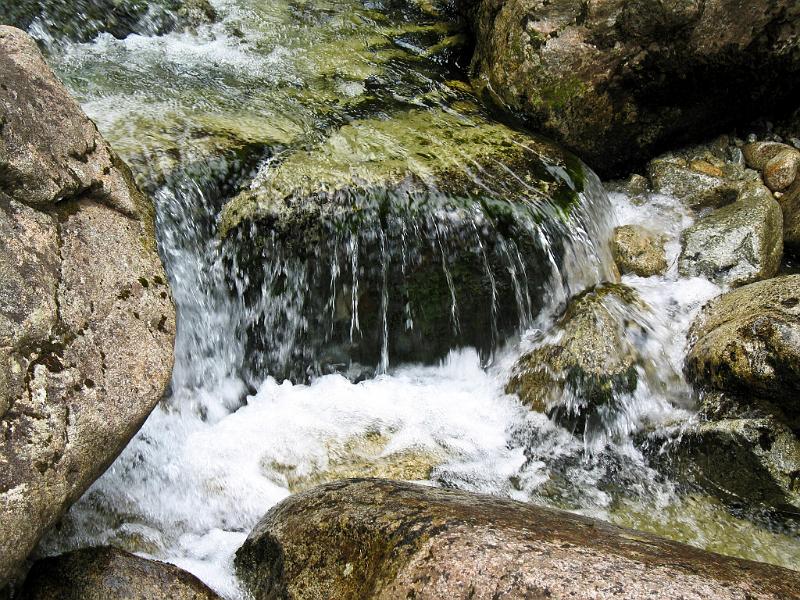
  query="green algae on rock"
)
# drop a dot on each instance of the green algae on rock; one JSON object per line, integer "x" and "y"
{"x": 380, "y": 539}
{"x": 407, "y": 235}
{"x": 579, "y": 374}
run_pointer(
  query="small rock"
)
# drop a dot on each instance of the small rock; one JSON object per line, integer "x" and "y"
{"x": 748, "y": 341}
{"x": 637, "y": 185}
{"x": 758, "y": 154}
{"x": 737, "y": 244}
{"x": 639, "y": 251}
{"x": 110, "y": 574}
{"x": 781, "y": 171}
{"x": 699, "y": 184}
{"x": 592, "y": 363}
{"x": 372, "y": 538}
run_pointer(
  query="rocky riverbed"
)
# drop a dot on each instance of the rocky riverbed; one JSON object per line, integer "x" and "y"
{"x": 381, "y": 269}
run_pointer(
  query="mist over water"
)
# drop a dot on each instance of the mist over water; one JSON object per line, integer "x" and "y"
{"x": 269, "y": 394}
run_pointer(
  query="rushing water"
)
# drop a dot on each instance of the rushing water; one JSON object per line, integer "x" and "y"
{"x": 203, "y": 115}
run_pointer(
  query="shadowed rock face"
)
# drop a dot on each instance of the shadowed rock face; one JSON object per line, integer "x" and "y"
{"x": 86, "y": 319}
{"x": 615, "y": 80}
{"x": 369, "y": 538}
{"x": 110, "y": 574}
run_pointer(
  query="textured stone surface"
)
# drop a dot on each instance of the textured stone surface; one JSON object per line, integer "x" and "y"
{"x": 589, "y": 362}
{"x": 781, "y": 171}
{"x": 742, "y": 450}
{"x": 86, "y": 319}
{"x": 698, "y": 184}
{"x": 381, "y": 539}
{"x": 790, "y": 206}
{"x": 82, "y": 20}
{"x": 738, "y": 243}
{"x": 639, "y": 251}
{"x": 749, "y": 341}
{"x": 616, "y": 79}
{"x": 110, "y": 574}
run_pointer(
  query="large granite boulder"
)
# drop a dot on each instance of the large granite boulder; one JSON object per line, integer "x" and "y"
{"x": 615, "y": 80}
{"x": 371, "y": 538}
{"x": 748, "y": 341}
{"x": 737, "y": 244}
{"x": 86, "y": 319}
{"x": 110, "y": 574}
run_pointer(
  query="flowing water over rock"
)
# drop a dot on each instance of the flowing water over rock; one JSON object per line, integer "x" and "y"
{"x": 359, "y": 254}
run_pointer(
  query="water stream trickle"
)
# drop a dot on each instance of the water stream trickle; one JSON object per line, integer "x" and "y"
{"x": 281, "y": 89}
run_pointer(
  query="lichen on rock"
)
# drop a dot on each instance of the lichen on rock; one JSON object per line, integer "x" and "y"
{"x": 86, "y": 319}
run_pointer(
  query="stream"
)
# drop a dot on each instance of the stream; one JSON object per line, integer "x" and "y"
{"x": 305, "y": 350}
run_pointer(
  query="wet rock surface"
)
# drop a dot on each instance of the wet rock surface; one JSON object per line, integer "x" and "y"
{"x": 110, "y": 574}
{"x": 742, "y": 450}
{"x": 82, "y": 20}
{"x": 639, "y": 251}
{"x": 410, "y": 234}
{"x": 748, "y": 341}
{"x": 617, "y": 80}
{"x": 86, "y": 319}
{"x": 382, "y": 539}
{"x": 579, "y": 374}
{"x": 738, "y": 243}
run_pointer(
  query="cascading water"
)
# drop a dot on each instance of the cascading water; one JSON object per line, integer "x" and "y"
{"x": 334, "y": 209}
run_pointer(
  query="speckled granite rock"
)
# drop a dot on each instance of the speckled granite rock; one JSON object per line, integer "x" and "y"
{"x": 738, "y": 243}
{"x": 371, "y": 538}
{"x": 86, "y": 320}
{"x": 110, "y": 574}
{"x": 639, "y": 251}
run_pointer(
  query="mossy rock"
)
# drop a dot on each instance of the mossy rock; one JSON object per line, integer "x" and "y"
{"x": 402, "y": 237}
{"x": 580, "y": 373}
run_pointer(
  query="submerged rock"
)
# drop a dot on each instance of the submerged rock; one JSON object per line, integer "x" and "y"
{"x": 403, "y": 236}
{"x": 616, "y": 80}
{"x": 579, "y": 375}
{"x": 738, "y": 243}
{"x": 86, "y": 320}
{"x": 639, "y": 251}
{"x": 748, "y": 341}
{"x": 382, "y": 539}
{"x": 110, "y": 574}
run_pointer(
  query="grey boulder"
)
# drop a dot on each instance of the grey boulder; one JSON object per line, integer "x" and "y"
{"x": 87, "y": 323}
